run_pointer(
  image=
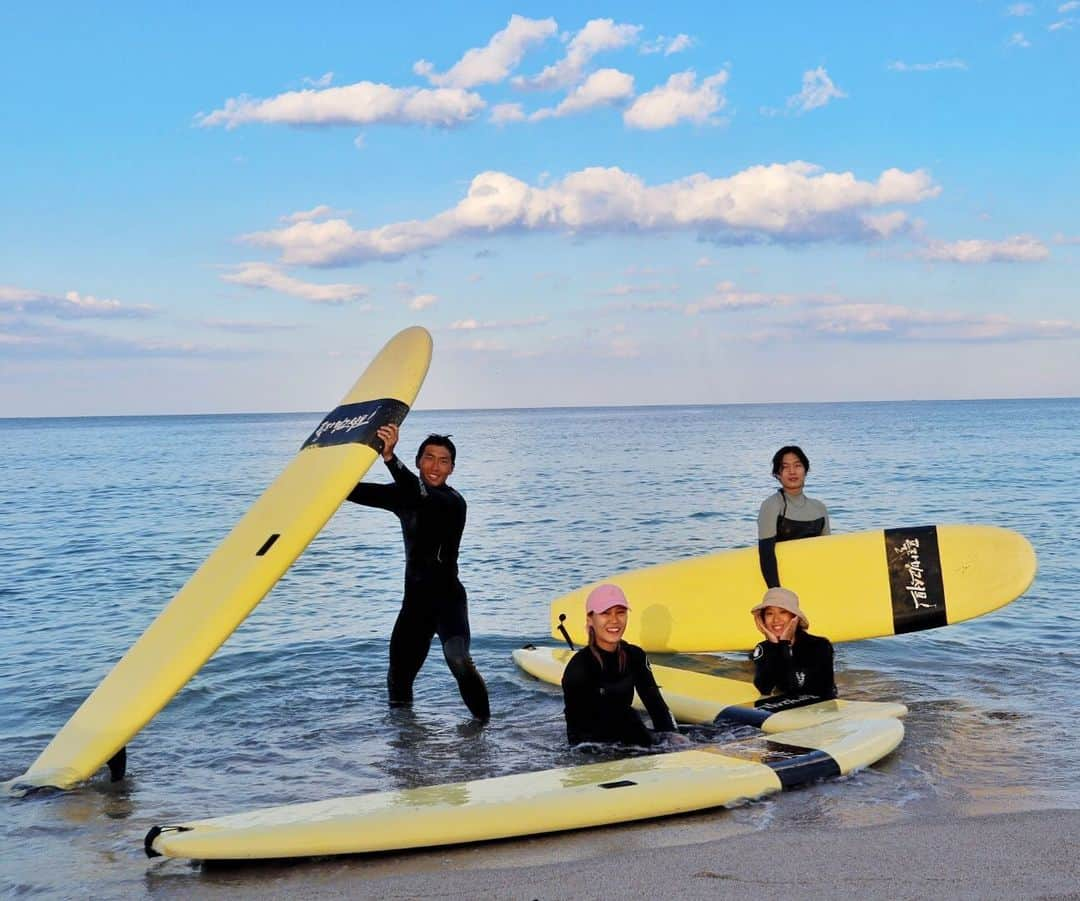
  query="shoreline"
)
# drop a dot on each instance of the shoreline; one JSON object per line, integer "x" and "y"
{"x": 1004, "y": 855}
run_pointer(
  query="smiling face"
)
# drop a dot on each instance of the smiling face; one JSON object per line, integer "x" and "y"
{"x": 435, "y": 465}
{"x": 776, "y": 619}
{"x": 792, "y": 473}
{"x": 608, "y": 627}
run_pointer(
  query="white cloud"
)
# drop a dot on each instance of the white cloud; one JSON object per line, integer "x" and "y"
{"x": 72, "y": 305}
{"x": 1018, "y": 249}
{"x": 786, "y": 202}
{"x": 1063, "y": 25}
{"x": 1020, "y": 9}
{"x": 937, "y": 65}
{"x": 472, "y": 325}
{"x": 363, "y": 103}
{"x": 668, "y": 46}
{"x": 677, "y": 100}
{"x": 493, "y": 63}
{"x": 602, "y": 88}
{"x": 598, "y": 35}
{"x": 507, "y": 112}
{"x": 1060, "y": 238}
{"x": 423, "y": 301}
{"x": 323, "y": 81}
{"x": 1069, "y": 7}
{"x": 817, "y": 90}
{"x": 1018, "y": 40}
{"x": 322, "y": 211}
{"x": 726, "y": 298}
{"x": 862, "y": 321}
{"x": 269, "y": 277}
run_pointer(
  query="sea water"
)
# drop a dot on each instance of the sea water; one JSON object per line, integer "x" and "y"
{"x": 102, "y": 520}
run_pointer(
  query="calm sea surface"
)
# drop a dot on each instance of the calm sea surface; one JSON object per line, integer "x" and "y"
{"x": 103, "y": 520}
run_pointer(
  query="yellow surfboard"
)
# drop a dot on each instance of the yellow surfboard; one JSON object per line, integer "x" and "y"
{"x": 705, "y": 699}
{"x": 854, "y": 586}
{"x": 534, "y": 803}
{"x": 236, "y": 576}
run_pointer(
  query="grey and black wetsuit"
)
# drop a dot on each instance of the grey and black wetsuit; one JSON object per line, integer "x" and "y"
{"x": 785, "y": 518}
{"x": 804, "y": 667}
{"x": 599, "y": 694}
{"x": 435, "y": 603}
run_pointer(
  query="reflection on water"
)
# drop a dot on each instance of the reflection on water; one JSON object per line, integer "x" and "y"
{"x": 104, "y": 519}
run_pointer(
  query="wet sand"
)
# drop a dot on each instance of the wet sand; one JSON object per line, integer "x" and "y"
{"x": 1012, "y": 855}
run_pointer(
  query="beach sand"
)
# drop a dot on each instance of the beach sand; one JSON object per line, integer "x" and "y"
{"x": 1010, "y": 855}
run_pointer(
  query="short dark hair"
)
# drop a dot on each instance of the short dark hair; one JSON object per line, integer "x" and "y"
{"x": 438, "y": 441}
{"x": 778, "y": 457}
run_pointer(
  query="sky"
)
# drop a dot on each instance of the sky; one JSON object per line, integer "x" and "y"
{"x": 231, "y": 207}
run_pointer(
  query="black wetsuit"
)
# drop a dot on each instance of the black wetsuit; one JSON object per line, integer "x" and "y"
{"x": 804, "y": 667}
{"x": 599, "y": 696}
{"x": 435, "y": 603}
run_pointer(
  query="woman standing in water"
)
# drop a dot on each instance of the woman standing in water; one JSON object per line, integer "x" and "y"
{"x": 788, "y": 513}
{"x": 600, "y": 679}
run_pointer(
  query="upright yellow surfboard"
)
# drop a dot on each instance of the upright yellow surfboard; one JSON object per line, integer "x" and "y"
{"x": 239, "y": 573}
{"x": 853, "y": 586}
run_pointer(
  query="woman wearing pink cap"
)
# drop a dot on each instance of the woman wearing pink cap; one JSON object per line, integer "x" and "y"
{"x": 599, "y": 681}
{"x": 790, "y": 660}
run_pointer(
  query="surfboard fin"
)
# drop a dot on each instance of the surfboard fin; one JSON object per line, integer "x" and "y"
{"x": 118, "y": 765}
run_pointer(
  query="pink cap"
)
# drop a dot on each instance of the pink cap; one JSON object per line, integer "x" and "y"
{"x": 604, "y": 597}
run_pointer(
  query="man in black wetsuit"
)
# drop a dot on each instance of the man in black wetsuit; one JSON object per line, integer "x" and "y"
{"x": 432, "y": 518}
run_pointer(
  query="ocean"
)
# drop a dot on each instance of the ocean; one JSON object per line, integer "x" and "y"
{"x": 103, "y": 519}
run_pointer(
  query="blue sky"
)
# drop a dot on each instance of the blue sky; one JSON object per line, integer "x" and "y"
{"x": 230, "y": 207}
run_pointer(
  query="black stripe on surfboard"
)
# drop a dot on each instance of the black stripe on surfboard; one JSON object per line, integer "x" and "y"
{"x": 797, "y": 766}
{"x": 763, "y": 709}
{"x": 915, "y": 583}
{"x": 357, "y": 423}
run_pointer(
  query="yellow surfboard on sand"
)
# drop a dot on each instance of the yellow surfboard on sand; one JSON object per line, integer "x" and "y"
{"x": 704, "y": 699}
{"x": 853, "y": 586}
{"x": 239, "y": 573}
{"x": 534, "y": 803}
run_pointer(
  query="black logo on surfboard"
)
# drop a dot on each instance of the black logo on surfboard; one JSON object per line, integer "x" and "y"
{"x": 918, "y": 593}
{"x": 357, "y": 423}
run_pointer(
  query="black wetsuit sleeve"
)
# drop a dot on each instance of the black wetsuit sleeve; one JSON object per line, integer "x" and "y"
{"x": 772, "y": 662}
{"x": 820, "y": 679}
{"x": 649, "y": 692}
{"x": 577, "y": 686}
{"x": 766, "y": 548}
{"x": 385, "y": 497}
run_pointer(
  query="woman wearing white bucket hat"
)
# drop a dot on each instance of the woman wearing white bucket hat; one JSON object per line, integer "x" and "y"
{"x": 790, "y": 660}
{"x": 599, "y": 681}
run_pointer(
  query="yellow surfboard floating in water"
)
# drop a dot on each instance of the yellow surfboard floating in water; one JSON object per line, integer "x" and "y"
{"x": 574, "y": 797}
{"x": 239, "y": 573}
{"x": 854, "y": 586}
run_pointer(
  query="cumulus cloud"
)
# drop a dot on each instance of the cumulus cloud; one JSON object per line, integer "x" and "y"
{"x": 679, "y": 99}
{"x": 795, "y": 201}
{"x": 71, "y": 305}
{"x": 503, "y": 113}
{"x": 602, "y": 88}
{"x": 323, "y": 81}
{"x": 598, "y": 36}
{"x": 1018, "y": 249}
{"x": 727, "y": 298}
{"x": 423, "y": 301}
{"x": 271, "y": 278}
{"x": 817, "y": 90}
{"x": 937, "y": 65}
{"x": 494, "y": 62}
{"x": 363, "y": 103}
{"x": 1017, "y": 39}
